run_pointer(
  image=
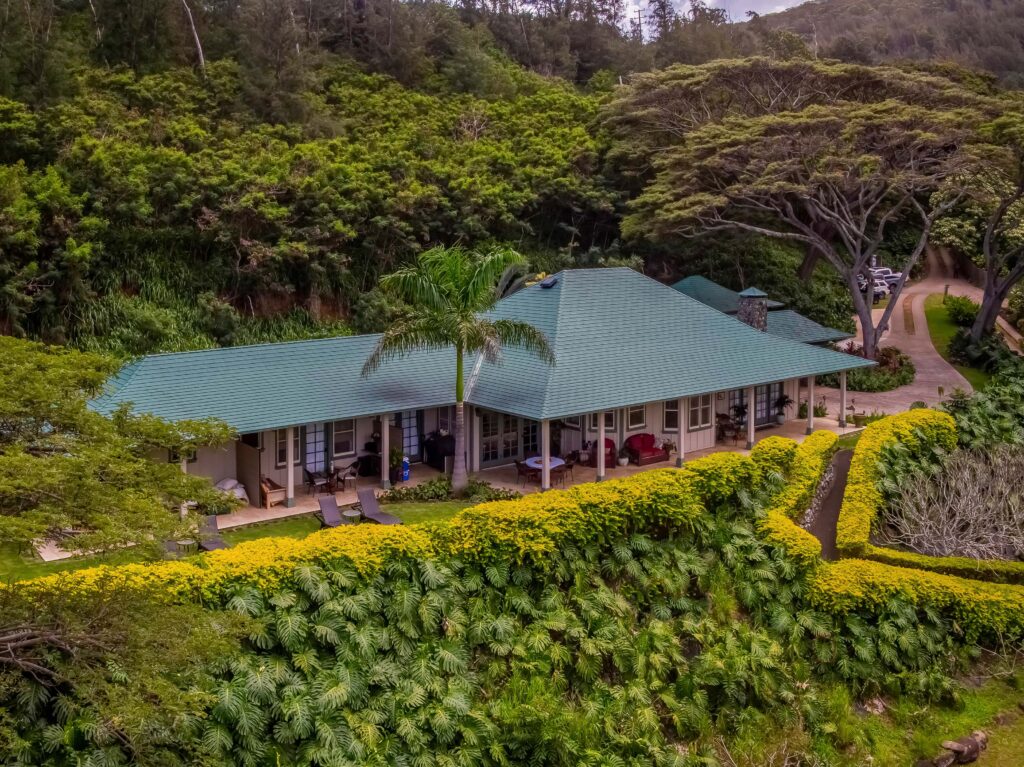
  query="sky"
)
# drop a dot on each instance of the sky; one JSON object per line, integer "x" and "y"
{"x": 738, "y": 8}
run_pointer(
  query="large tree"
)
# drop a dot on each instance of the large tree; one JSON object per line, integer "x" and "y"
{"x": 658, "y": 111}
{"x": 450, "y": 290}
{"x": 65, "y": 467}
{"x": 836, "y": 178}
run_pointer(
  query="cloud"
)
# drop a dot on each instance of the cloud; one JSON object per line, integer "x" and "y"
{"x": 738, "y": 8}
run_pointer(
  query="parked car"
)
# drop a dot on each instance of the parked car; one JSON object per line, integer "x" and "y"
{"x": 888, "y": 275}
{"x": 881, "y": 289}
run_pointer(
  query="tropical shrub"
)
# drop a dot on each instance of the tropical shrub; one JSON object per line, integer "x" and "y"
{"x": 961, "y": 310}
{"x": 894, "y": 369}
{"x": 440, "y": 489}
{"x": 993, "y": 416}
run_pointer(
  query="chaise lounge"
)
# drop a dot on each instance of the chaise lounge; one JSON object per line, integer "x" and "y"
{"x": 370, "y": 508}
{"x": 643, "y": 452}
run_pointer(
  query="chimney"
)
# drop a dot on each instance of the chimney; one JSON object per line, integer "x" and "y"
{"x": 753, "y": 309}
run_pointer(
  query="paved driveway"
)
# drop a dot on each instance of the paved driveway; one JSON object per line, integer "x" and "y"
{"x": 908, "y": 331}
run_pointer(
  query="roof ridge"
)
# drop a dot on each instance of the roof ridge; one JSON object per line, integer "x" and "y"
{"x": 262, "y": 344}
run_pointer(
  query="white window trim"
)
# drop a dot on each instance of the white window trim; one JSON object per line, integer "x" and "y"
{"x": 573, "y": 422}
{"x": 629, "y": 412}
{"x": 664, "y": 410}
{"x": 297, "y": 436}
{"x": 334, "y": 453}
{"x": 691, "y": 424}
{"x": 592, "y": 421}
{"x": 190, "y": 456}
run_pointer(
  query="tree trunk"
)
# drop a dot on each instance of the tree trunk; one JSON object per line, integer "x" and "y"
{"x": 862, "y": 303}
{"x": 806, "y": 269}
{"x": 460, "y": 477}
{"x": 195, "y": 37}
{"x": 992, "y": 301}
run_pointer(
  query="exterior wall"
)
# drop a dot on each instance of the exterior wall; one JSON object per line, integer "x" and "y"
{"x": 215, "y": 463}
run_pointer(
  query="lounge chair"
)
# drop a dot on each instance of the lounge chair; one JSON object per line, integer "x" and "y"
{"x": 330, "y": 515}
{"x": 209, "y": 536}
{"x": 371, "y": 509}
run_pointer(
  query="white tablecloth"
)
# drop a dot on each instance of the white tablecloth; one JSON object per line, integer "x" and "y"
{"x": 536, "y": 463}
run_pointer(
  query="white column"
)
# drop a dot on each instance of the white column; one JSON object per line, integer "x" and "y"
{"x": 385, "y": 449}
{"x": 751, "y": 415}
{"x": 600, "y": 446}
{"x": 545, "y": 455}
{"x": 810, "y": 404}
{"x": 684, "y": 415}
{"x": 289, "y": 459}
{"x": 183, "y": 509}
{"x": 842, "y": 399}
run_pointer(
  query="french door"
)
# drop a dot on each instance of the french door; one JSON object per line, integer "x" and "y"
{"x": 765, "y": 397}
{"x": 499, "y": 438}
{"x": 409, "y": 422}
{"x": 316, "y": 447}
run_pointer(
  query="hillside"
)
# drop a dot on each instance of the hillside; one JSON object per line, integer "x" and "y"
{"x": 983, "y": 34}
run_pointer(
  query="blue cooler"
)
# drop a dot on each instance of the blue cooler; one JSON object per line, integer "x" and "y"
{"x": 405, "y": 468}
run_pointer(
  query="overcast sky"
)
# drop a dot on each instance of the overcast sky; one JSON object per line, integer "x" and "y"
{"x": 738, "y": 8}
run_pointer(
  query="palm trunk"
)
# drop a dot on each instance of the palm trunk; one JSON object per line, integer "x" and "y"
{"x": 460, "y": 477}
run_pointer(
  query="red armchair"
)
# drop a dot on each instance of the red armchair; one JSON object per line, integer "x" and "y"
{"x": 642, "y": 451}
{"x": 609, "y": 454}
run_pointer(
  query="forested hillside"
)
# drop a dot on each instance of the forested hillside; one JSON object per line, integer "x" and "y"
{"x": 984, "y": 34}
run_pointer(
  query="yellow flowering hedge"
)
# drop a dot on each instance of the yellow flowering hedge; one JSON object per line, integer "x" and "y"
{"x": 775, "y": 454}
{"x": 862, "y": 500}
{"x": 658, "y": 502}
{"x": 979, "y": 610}
{"x": 808, "y": 463}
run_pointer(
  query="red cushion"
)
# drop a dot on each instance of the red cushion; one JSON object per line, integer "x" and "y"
{"x": 642, "y": 444}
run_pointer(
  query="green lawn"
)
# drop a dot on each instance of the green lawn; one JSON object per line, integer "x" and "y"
{"x": 942, "y": 331}
{"x": 16, "y": 566}
{"x": 849, "y": 441}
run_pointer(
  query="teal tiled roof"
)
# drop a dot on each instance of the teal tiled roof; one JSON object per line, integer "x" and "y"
{"x": 619, "y": 339}
{"x": 269, "y": 386}
{"x": 714, "y": 295}
{"x": 792, "y": 325}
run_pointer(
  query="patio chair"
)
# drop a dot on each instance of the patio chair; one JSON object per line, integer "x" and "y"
{"x": 526, "y": 474}
{"x": 330, "y": 515}
{"x": 172, "y": 550}
{"x": 272, "y": 492}
{"x": 349, "y": 473}
{"x": 370, "y": 508}
{"x": 209, "y": 536}
{"x": 317, "y": 483}
{"x": 570, "y": 463}
{"x": 558, "y": 475}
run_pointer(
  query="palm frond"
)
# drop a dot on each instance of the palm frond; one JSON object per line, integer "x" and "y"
{"x": 416, "y": 286}
{"x": 423, "y": 331}
{"x": 481, "y": 287}
{"x": 523, "y": 335}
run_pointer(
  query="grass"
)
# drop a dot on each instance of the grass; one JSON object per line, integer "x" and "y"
{"x": 15, "y": 566}
{"x": 942, "y": 330}
{"x": 849, "y": 441}
{"x": 910, "y": 730}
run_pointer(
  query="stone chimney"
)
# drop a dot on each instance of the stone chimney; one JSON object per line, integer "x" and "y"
{"x": 753, "y": 309}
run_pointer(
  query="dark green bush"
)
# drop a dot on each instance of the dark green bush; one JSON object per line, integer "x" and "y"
{"x": 440, "y": 489}
{"x": 895, "y": 369}
{"x": 962, "y": 311}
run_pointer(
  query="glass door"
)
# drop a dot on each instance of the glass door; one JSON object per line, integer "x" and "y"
{"x": 490, "y": 429}
{"x": 316, "y": 447}
{"x": 408, "y": 421}
{"x": 767, "y": 396}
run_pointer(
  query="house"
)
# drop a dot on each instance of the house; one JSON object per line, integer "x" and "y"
{"x": 632, "y": 356}
{"x": 782, "y": 322}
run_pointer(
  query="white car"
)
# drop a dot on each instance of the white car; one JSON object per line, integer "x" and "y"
{"x": 886, "y": 274}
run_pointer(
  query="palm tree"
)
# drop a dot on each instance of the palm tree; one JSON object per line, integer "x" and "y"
{"x": 449, "y": 290}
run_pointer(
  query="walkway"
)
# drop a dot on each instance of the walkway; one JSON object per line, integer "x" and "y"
{"x": 825, "y": 522}
{"x": 908, "y": 332}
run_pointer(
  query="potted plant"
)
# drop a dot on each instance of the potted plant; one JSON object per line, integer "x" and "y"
{"x": 623, "y": 457}
{"x": 739, "y": 413}
{"x": 668, "y": 445}
{"x": 783, "y": 403}
{"x": 395, "y": 457}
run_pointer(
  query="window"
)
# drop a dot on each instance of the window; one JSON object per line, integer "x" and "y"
{"x": 445, "y": 420}
{"x": 175, "y": 457}
{"x": 636, "y": 417}
{"x": 344, "y": 437}
{"x": 282, "y": 446}
{"x": 609, "y": 421}
{"x": 253, "y": 439}
{"x": 573, "y": 422}
{"x": 671, "y": 415}
{"x": 700, "y": 412}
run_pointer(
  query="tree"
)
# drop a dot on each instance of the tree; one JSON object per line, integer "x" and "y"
{"x": 658, "y": 111}
{"x": 998, "y": 188}
{"x": 112, "y": 674}
{"x": 64, "y": 466}
{"x": 449, "y": 291}
{"x": 835, "y": 178}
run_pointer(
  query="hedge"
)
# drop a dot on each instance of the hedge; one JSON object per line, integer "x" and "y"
{"x": 807, "y": 463}
{"x": 862, "y": 502}
{"x": 662, "y": 503}
{"x": 979, "y": 610}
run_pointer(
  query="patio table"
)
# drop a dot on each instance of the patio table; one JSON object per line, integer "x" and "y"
{"x": 538, "y": 463}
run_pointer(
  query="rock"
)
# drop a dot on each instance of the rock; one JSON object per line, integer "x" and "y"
{"x": 945, "y": 760}
{"x": 874, "y": 706}
{"x": 967, "y": 750}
